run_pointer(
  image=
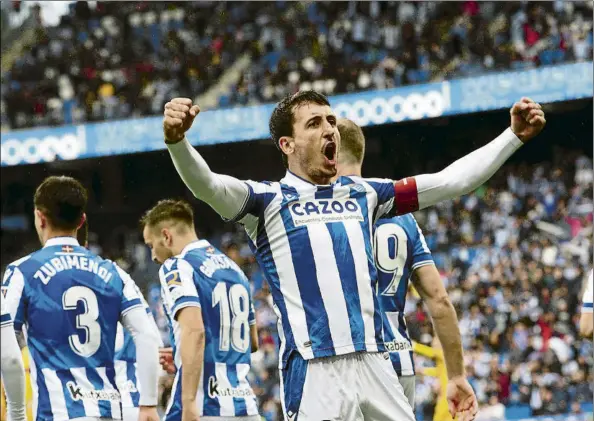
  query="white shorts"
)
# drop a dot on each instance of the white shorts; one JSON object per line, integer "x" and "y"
{"x": 408, "y": 384}
{"x": 353, "y": 387}
{"x": 246, "y": 418}
{"x": 129, "y": 414}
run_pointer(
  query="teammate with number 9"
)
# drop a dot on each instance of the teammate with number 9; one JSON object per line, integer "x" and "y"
{"x": 69, "y": 301}
{"x": 208, "y": 304}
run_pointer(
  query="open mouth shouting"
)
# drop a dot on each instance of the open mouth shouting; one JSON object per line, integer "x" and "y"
{"x": 329, "y": 152}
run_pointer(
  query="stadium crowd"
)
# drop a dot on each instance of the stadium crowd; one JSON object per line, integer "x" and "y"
{"x": 513, "y": 256}
{"x": 109, "y": 60}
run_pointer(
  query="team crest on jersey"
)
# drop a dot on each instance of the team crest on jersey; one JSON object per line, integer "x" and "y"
{"x": 4, "y": 292}
{"x": 210, "y": 250}
{"x": 305, "y": 212}
{"x": 172, "y": 279}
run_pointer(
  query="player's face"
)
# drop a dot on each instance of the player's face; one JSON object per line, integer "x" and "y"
{"x": 316, "y": 141}
{"x": 156, "y": 241}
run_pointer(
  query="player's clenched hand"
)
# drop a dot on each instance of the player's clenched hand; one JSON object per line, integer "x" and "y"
{"x": 166, "y": 360}
{"x": 148, "y": 413}
{"x": 178, "y": 118}
{"x": 527, "y": 119}
{"x": 461, "y": 399}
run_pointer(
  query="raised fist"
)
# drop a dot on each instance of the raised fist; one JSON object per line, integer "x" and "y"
{"x": 527, "y": 119}
{"x": 178, "y": 118}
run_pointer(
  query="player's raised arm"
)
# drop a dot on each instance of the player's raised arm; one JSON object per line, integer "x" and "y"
{"x": 472, "y": 170}
{"x": 224, "y": 194}
{"x": 13, "y": 370}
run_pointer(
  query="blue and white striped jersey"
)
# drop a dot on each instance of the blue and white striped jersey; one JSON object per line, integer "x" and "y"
{"x": 400, "y": 248}
{"x": 204, "y": 277}
{"x": 588, "y": 292}
{"x": 69, "y": 300}
{"x": 314, "y": 244}
{"x": 5, "y": 319}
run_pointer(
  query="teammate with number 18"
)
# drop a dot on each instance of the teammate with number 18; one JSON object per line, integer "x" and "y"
{"x": 313, "y": 239}
{"x": 208, "y": 304}
{"x": 68, "y": 302}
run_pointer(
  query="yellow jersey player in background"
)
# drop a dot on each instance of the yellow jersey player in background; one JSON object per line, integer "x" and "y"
{"x": 435, "y": 352}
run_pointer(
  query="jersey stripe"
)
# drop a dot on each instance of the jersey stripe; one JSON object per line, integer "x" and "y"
{"x": 366, "y": 274}
{"x": 62, "y": 405}
{"x": 81, "y": 380}
{"x": 301, "y": 250}
{"x": 227, "y": 406}
{"x": 250, "y": 402}
{"x": 238, "y": 403}
{"x": 281, "y": 255}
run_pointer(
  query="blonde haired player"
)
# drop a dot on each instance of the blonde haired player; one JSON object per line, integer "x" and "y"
{"x": 586, "y": 321}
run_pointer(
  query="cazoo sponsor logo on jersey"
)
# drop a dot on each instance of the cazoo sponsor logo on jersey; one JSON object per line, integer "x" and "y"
{"x": 397, "y": 107}
{"x": 32, "y": 150}
{"x": 325, "y": 210}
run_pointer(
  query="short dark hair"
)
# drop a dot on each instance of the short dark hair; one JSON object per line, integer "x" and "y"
{"x": 168, "y": 210}
{"x": 283, "y": 117}
{"x": 352, "y": 142}
{"x": 82, "y": 235}
{"x": 63, "y": 200}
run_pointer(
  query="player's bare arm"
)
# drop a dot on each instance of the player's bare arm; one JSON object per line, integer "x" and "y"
{"x": 586, "y": 325}
{"x": 254, "y": 337}
{"x": 224, "y": 194}
{"x": 472, "y": 170}
{"x": 461, "y": 397}
{"x": 192, "y": 358}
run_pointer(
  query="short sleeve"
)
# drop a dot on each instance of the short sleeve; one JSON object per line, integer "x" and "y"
{"x": 13, "y": 296}
{"x": 177, "y": 283}
{"x": 5, "y": 318}
{"x": 587, "y": 298}
{"x": 259, "y": 196}
{"x": 421, "y": 253}
{"x": 131, "y": 295}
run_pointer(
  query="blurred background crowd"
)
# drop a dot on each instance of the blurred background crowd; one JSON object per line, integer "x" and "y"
{"x": 513, "y": 255}
{"x": 106, "y": 60}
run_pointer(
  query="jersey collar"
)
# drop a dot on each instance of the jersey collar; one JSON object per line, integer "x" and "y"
{"x": 294, "y": 180}
{"x": 194, "y": 245}
{"x": 61, "y": 241}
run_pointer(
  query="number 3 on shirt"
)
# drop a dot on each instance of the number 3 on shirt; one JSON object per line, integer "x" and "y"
{"x": 86, "y": 321}
{"x": 235, "y": 328}
{"x": 385, "y": 262}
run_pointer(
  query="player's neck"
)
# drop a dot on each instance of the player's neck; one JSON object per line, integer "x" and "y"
{"x": 349, "y": 169}
{"x": 182, "y": 242}
{"x": 49, "y": 234}
{"x": 319, "y": 180}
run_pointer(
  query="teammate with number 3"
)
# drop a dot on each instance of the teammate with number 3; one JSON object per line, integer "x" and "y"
{"x": 68, "y": 301}
{"x": 207, "y": 301}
